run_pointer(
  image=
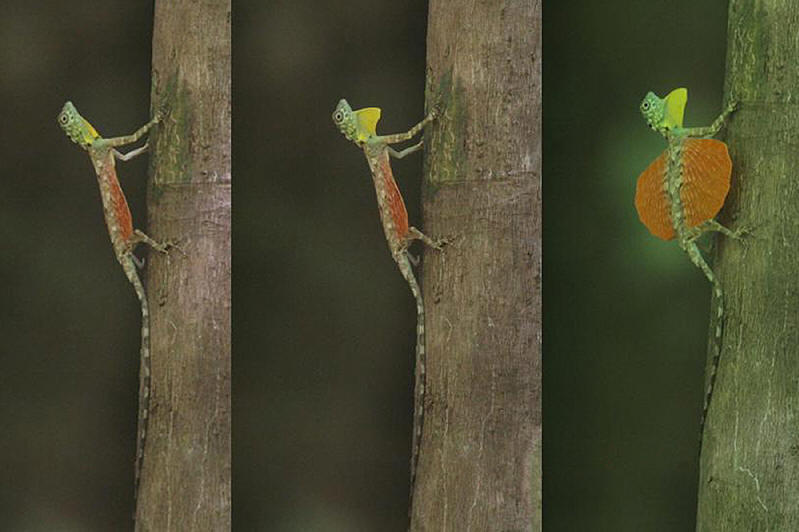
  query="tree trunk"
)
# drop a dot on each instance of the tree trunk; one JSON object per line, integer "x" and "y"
{"x": 186, "y": 472}
{"x": 480, "y": 461}
{"x": 749, "y": 471}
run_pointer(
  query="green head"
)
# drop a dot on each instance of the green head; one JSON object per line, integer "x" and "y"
{"x": 666, "y": 113}
{"x": 653, "y": 108}
{"x": 358, "y": 126}
{"x": 345, "y": 120}
{"x": 77, "y": 128}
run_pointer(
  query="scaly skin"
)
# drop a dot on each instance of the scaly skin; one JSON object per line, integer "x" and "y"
{"x": 124, "y": 238}
{"x": 656, "y": 113}
{"x": 399, "y": 234}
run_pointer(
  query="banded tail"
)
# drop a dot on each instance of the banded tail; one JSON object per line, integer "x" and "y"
{"x": 405, "y": 267}
{"x": 144, "y": 371}
{"x": 718, "y": 297}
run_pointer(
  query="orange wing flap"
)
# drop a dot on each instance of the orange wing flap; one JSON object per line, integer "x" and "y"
{"x": 706, "y": 171}
{"x": 651, "y": 200}
{"x": 706, "y": 179}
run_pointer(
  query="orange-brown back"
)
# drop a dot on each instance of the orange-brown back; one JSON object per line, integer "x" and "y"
{"x": 706, "y": 167}
{"x": 395, "y": 202}
{"x": 120, "y": 207}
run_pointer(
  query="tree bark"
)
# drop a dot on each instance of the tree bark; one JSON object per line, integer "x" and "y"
{"x": 749, "y": 471}
{"x": 186, "y": 472}
{"x": 480, "y": 461}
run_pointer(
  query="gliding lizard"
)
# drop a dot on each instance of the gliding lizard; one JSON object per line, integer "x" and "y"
{"x": 360, "y": 127}
{"x": 102, "y": 152}
{"x": 681, "y": 191}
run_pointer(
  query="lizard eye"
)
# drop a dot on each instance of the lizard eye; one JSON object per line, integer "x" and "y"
{"x": 338, "y": 117}
{"x": 63, "y": 119}
{"x": 645, "y": 106}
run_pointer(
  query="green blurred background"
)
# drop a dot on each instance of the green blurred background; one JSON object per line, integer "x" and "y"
{"x": 625, "y": 314}
{"x": 323, "y": 322}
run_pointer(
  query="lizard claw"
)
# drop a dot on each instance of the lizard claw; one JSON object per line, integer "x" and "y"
{"x": 163, "y": 111}
{"x": 441, "y": 243}
{"x": 438, "y": 108}
{"x": 743, "y": 232}
{"x": 170, "y": 244}
{"x": 137, "y": 261}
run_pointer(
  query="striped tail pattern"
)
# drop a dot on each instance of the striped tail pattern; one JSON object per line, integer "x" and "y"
{"x": 405, "y": 267}
{"x": 714, "y": 365}
{"x": 718, "y": 297}
{"x": 144, "y": 371}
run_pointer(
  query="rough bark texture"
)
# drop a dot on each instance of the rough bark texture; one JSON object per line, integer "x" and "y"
{"x": 749, "y": 472}
{"x": 480, "y": 461}
{"x": 186, "y": 472}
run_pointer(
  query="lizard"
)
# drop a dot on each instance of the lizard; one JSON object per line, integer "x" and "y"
{"x": 682, "y": 190}
{"x": 124, "y": 238}
{"x": 359, "y": 126}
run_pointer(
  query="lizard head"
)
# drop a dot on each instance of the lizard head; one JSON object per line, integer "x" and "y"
{"x": 664, "y": 114}
{"x": 358, "y": 126}
{"x": 345, "y": 120}
{"x": 77, "y": 128}
{"x": 652, "y": 109}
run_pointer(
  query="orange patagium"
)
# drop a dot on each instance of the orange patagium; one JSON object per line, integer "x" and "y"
{"x": 704, "y": 168}
{"x": 680, "y": 193}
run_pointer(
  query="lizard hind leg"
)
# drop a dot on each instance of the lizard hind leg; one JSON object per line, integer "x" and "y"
{"x": 140, "y": 238}
{"x": 713, "y": 225}
{"x": 137, "y": 261}
{"x": 415, "y": 234}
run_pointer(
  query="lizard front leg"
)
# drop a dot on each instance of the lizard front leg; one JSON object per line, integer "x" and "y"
{"x": 131, "y": 154}
{"x": 712, "y": 129}
{"x": 408, "y": 135}
{"x": 139, "y": 133}
{"x": 400, "y": 154}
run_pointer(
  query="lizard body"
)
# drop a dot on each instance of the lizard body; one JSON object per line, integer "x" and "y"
{"x": 124, "y": 238}
{"x": 681, "y": 192}
{"x": 359, "y": 127}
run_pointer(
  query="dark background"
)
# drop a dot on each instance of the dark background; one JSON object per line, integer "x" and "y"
{"x": 324, "y": 324}
{"x": 323, "y": 321}
{"x": 69, "y": 319}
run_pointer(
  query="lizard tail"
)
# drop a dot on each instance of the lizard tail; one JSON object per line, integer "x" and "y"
{"x": 144, "y": 373}
{"x": 714, "y": 365}
{"x": 418, "y": 420}
{"x": 699, "y": 261}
